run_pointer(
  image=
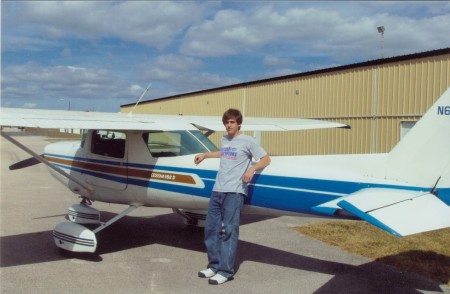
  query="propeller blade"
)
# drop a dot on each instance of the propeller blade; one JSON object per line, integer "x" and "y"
{"x": 25, "y": 163}
{"x": 46, "y": 162}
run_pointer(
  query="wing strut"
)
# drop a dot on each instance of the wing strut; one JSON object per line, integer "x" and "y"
{"x": 46, "y": 162}
{"x": 117, "y": 217}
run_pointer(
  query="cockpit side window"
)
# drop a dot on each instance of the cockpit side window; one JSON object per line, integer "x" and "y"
{"x": 108, "y": 143}
{"x": 173, "y": 143}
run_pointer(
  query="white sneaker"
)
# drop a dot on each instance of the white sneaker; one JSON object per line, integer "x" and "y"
{"x": 218, "y": 279}
{"x": 207, "y": 273}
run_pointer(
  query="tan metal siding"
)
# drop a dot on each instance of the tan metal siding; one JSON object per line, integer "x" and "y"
{"x": 373, "y": 99}
{"x": 170, "y": 106}
{"x": 341, "y": 94}
{"x": 340, "y": 141}
{"x": 212, "y": 103}
{"x": 406, "y": 90}
{"x": 345, "y": 96}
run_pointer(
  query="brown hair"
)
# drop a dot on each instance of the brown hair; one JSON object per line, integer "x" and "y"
{"x": 234, "y": 114}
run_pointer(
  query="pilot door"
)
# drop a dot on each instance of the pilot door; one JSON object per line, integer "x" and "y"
{"x": 106, "y": 164}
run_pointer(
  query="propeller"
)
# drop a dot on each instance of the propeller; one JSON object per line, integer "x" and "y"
{"x": 25, "y": 163}
{"x": 42, "y": 159}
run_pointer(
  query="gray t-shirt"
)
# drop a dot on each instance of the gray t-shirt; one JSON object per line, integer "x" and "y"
{"x": 236, "y": 156}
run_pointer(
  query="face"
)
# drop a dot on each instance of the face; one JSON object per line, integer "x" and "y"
{"x": 232, "y": 127}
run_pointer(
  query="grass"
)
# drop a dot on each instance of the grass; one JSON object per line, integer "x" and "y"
{"x": 427, "y": 254}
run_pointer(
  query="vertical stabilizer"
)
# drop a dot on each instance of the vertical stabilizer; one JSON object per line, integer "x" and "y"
{"x": 423, "y": 155}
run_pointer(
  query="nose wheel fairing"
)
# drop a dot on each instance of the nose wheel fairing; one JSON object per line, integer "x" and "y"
{"x": 72, "y": 236}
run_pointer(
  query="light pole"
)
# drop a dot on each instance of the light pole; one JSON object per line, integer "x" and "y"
{"x": 68, "y": 100}
{"x": 381, "y": 31}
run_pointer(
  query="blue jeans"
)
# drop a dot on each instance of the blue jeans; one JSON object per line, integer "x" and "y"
{"x": 221, "y": 242}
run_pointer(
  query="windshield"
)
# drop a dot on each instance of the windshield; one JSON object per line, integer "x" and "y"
{"x": 176, "y": 143}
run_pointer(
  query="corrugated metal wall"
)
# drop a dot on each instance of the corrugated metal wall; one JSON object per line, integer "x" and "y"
{"x": 344, "y": 96}
{"x": 373, "y": 99}
{"x": 210, "y": 103}
{"x": 405, "y": 91}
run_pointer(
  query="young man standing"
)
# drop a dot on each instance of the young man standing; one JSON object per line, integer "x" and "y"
{"x": 227, "y": 199}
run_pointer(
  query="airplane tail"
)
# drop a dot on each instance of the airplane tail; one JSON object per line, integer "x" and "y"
{"x": 422, "y": 157}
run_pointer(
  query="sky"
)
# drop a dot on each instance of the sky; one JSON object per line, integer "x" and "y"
{"x": 98, "y": 55}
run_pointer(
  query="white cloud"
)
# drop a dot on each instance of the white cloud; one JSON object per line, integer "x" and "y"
{"x": 315, "y": 31}
{"x": 153, "y": 23}
{"x": 29, "y": 82}
{"x": 33, "y": 85}
{"x": 15, "y": 43}
{"x": 136, "y": 89}
{"x": 66, "y": 52}
{"x": 167, "y": 67}
{"x": 180, "y": 74}
{"x": 271, "y": 60}
{"x": 177, "y": 62}
{"x": 29, "y": 105}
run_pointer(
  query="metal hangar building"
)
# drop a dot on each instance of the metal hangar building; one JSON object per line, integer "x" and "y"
{"x": 380, "y": 99}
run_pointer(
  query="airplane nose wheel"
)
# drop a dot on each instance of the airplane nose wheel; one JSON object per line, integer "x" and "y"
{"x": 85, "y": 201}
{"x": 191, "y": 218}
{"x": 87, "y": 256}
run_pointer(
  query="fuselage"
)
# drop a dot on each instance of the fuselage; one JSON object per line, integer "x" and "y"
{"x": 162, "y": 174}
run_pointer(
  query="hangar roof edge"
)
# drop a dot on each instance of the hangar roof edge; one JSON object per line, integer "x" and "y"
{"x": 314, "y": 72}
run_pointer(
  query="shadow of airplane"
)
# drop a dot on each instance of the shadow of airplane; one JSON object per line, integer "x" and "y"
{"x": 167, "y": 229}
{"x": 425, "y": 261}
{"x": 129, "y": 232}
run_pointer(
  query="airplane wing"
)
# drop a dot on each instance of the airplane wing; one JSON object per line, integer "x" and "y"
{"x": 38, "y": 118}
{"x": 400, "y": 212}
{"x": 50, "y": 119}
{"x": 214, "y": 123}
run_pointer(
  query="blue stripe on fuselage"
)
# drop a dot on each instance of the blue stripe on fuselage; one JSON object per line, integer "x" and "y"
{"x": 275, "y": 192}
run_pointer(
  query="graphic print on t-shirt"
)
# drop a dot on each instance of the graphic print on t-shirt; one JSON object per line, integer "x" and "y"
{"x": 229, "y": 152}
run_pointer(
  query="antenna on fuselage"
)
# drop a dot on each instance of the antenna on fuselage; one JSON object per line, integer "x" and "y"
{"x": 139, "y": 100}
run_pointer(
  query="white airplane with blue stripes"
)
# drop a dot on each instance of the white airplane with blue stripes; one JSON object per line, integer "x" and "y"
{"x": 148, "y": 161}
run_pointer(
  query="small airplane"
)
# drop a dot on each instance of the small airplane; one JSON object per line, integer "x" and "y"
{"x": 148, "y": 161}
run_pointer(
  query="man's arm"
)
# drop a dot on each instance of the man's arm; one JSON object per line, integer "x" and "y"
{"x": 199, "y": 157}
{"x": 262, "y": 163}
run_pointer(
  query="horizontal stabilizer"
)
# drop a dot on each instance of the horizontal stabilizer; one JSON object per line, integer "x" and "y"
{"x": 328, "y": 208}
{"x": 399, "y": 212}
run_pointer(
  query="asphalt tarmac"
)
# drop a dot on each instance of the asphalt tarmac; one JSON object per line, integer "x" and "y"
{"x": 152, "y": 251}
